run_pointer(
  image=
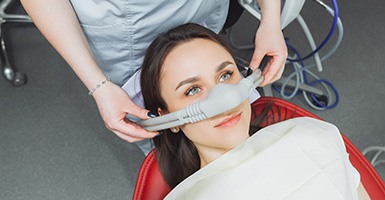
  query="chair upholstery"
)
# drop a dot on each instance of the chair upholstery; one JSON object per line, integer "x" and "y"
{"x": 151, "y": 185}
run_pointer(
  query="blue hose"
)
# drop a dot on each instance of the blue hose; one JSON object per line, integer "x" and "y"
{"x": 332, "y": 30}
{"x": 319, "y": 104}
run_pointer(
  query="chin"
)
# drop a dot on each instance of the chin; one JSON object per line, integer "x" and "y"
{"x": 236, "y": 137}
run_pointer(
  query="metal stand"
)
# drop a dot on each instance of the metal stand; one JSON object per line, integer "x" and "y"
{"x": 10, "y": 73}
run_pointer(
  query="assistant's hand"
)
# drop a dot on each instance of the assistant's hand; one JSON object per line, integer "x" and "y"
{"x": 269, "y": 41}
{"x": 114, "y": 104}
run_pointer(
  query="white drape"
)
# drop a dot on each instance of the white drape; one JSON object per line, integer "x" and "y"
{"x": 301, "y": 158}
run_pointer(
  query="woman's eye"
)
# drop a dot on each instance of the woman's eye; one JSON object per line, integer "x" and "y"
{"x": 192, "y": 91}
{"x": 225, "y": 76}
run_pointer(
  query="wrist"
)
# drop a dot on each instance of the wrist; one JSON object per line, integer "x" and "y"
{"x": 270, "y": 12}
{"x": 91, "y": 81}
{"x": 98, "y": 86}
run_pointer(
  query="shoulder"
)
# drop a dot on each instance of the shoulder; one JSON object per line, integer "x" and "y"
{"x": 315, "y": 137}
{"x": 315, "y": 128}
{"x": 321, "y": 140}
{"x": 309, "y": 126}
{"x": 305, "y": 126}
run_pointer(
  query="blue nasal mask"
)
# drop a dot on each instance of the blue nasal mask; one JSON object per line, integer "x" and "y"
{"x": 221, "y": 98}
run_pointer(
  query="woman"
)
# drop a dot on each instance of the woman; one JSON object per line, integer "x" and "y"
{"x": 297, "y": 159}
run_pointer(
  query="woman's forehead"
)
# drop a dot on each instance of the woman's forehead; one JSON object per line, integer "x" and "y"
{"x": 193, "y": 56}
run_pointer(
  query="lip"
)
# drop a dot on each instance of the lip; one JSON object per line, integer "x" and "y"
{"x": 229, "y": 121}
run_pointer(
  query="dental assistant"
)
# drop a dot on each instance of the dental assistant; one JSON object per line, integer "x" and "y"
{"x": 104, "y": 43}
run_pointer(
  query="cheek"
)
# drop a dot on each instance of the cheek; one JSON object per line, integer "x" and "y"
{"x": 169, "y": 98}
{"x": 247, "y": 110}
{"x": 195, "y": 131}
{"x": 200, "y": 133}
{"x": 237, "y": 77}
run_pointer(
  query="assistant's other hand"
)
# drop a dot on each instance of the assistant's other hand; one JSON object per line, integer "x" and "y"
{"x": 269, "y": 41}
{"x": 114, "y": 104}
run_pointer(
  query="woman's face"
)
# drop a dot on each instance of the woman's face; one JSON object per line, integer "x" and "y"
{"x": 188, "y": 74}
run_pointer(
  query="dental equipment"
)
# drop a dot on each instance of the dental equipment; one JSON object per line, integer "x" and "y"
{"x": 290, "y": 10}
{"x": 222, "y": 97}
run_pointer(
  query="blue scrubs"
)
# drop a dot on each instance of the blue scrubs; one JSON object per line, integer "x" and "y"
{"x": 119, "y": 31}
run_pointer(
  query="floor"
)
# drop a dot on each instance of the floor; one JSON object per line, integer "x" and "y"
{"x": 53, "y": 144}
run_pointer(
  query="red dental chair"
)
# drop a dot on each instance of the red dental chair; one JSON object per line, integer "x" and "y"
{"x": 150, "y": 183}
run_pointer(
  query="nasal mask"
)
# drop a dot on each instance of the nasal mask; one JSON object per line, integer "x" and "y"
{"x": 221, "y": 98}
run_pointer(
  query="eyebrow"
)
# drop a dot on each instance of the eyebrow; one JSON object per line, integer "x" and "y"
{"x": 196, "y": 78}
{"x": 223, "y": 65}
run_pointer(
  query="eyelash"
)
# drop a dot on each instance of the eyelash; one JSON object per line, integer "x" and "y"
{"x": 187, "y": 93}
{"x": 229, "y": 72}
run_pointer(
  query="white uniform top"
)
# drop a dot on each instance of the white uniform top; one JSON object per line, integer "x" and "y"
{"x": 298, "y": 159}
{"x": 119, "y": 31}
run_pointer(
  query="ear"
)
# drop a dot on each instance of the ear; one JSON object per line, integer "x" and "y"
{"x": 162, "y": 112}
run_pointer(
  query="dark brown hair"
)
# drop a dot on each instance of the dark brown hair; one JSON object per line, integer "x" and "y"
{"x": 177, "y": 156}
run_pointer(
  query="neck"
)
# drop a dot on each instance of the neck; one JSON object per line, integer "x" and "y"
{"x": 207, "y": 155}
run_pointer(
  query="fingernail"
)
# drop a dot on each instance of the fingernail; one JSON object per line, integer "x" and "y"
{"x": 249, "y": 71}
{"x": 160, "y": 133}
{"x": 152, "y": 115}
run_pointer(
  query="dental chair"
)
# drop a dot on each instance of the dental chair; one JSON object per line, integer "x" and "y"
{"x": 151, "y": 185}
{"x": 10, "y": 73}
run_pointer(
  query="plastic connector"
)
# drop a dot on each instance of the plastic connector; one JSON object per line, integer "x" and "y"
{"x": 290, "y": 11}
{"x": 321, "y": 101}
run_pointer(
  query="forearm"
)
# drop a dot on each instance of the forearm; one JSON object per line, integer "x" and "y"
{"x": 271, "y": 11}
{"x": 58, "y": 23}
